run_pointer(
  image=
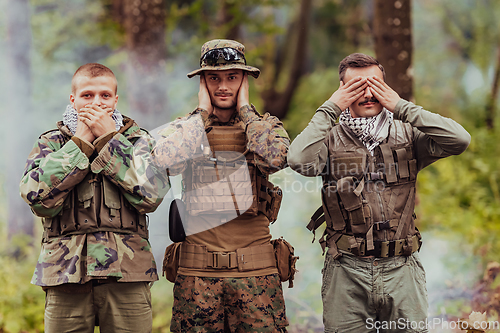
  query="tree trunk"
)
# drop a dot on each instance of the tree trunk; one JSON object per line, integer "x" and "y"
{"x": 491, "y": 106}
{"x": 393, "y": 44}
{"x": 276, "y": 102}
{"x": 225, "y": 20}
{"x": 144, "y": 22}
{"x": 20, "y": 218}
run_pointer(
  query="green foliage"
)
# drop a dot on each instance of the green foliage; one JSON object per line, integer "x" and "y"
{"x": 461, "y": 194}
{"x": 21, "y": 303}
{"x": 74, "y": 31}
{"x": 454, "y": 65}
{"x": 340, "y": 27}
{"x": 477, "y": 33}
{"x": 194, "y": 22}
{"x": 162, "y": 299}
{"x": 314, "y": 89}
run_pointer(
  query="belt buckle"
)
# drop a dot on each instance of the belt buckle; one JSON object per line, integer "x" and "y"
{"x": 220, "y": 260}
{"x": 375, "y": 175}
{"x": 382, "y": 225}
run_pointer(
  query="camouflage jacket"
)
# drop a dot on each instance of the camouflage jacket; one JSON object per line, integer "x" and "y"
{"x": 59, "y": 162}
{"x": 182, "y": 138}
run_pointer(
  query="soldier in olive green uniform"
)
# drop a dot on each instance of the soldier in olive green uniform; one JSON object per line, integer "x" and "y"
{"x": 92, "y": 183}
{"x": 227, "y": 278}
{"x": 369, "y": 163}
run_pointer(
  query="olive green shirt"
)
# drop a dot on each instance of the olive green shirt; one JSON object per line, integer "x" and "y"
{"x": 435, "y": 137}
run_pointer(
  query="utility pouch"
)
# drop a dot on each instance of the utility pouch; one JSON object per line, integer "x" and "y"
{"x": 348, "y": 164}
{"x": 331, "y": 207}
{"x": 274, "y": 207}
{"x": 171, "y": 261}
{"x": 176, "y": 215}
{"x": 85, "y": 190}
{"x": 53, "y": 226}
{"x": 285, "y": 260}
{"x": 111, "y": 206}
{"x": 350, "y": 195}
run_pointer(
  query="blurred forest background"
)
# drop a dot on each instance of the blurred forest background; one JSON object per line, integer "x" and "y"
{"x": 441, "y": 54}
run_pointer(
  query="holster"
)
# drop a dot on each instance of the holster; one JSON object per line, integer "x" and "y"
{"x": 285, "y": 260}
{"x": 176, "y": 215}
{"x": 274, "y": 207}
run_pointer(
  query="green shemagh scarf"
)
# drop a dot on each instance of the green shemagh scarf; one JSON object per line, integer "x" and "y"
{"x": 70, "y": 118}
{"x": 372, "y": 130}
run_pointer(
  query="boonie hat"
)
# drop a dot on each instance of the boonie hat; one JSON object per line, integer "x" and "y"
{"x": 223, "y": 54}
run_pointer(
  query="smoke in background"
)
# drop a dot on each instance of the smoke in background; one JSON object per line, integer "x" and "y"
{"x": 446, "y": 261}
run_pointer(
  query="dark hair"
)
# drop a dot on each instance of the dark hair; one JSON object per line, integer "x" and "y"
{"x": 92, "y": 70}
{"x": 358, "y": 60}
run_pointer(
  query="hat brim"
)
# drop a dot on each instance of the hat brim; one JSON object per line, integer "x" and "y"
{"x": 254, "y": 71}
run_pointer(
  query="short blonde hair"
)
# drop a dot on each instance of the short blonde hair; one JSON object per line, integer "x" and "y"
{"x": 92, "y": 70}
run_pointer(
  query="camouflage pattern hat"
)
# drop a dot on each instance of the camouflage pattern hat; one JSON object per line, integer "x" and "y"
{"x": 222, "y": 54}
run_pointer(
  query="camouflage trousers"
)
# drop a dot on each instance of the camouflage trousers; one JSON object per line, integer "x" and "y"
{"x": 205, "y": 304}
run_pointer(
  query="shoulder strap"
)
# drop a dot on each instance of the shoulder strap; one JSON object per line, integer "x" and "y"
{"x": 406, "y": 215}
{"x": 317, "y": 219}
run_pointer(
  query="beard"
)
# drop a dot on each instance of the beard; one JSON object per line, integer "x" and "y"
{"x": 227, "y": 105}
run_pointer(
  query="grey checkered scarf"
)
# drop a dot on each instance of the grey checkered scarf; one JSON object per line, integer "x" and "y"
{"x": 372, "y": 130}
{"x": 70, "y": 118}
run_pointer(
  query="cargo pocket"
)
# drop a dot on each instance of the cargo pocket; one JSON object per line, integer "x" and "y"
{"x": 67, "y": 220}
{"x": 129, "y": 216}
{"x": 418, "y": 268}
{"x": 51, "y": 225}
{"x": 110, "y": 205}
{"x": 331, "y": 207}
{"x": 352, "y": 200}
{"x": 352, "y": 165}
{"x": 86, "y": 209}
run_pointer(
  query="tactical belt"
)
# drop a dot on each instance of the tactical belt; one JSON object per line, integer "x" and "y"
{"x": 244, "y": 259}
{"x": 383, "y": 249}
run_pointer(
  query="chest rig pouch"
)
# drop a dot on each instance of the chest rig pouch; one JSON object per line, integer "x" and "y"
{"x": 226, "y": 182}
{"x": 367, "y": 200}
{"x": 95, "y": 204}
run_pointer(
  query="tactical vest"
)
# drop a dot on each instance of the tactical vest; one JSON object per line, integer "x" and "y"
{"x": 95, "y": 204}
{"x": 368, "y": 201}
{"x": 226, "y": 180}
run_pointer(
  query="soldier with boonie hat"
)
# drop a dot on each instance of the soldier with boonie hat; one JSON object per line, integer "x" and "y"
{"x": 223, "y": 54}
{"x": 233, "y": 259}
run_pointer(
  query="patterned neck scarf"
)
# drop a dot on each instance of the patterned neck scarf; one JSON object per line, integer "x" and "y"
{"x": 70, "y": 118}
{"x": 371, "y": 131}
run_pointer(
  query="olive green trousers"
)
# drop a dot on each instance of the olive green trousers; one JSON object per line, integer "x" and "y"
{"x": 116, "y": 307}
{"x": 374, "y": 294}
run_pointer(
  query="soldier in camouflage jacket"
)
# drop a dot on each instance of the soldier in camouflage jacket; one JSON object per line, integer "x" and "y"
{"x": 218, "y": 296}
{"x": 92, "y": 183}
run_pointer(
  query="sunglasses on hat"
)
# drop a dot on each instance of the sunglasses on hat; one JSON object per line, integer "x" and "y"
{"x": 211, "y": 58}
